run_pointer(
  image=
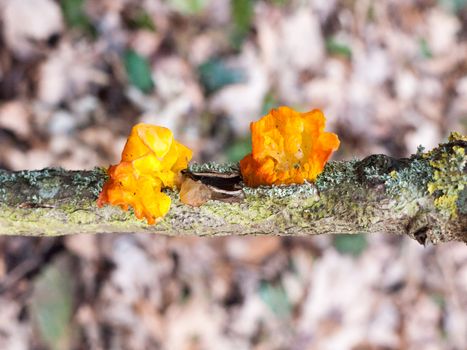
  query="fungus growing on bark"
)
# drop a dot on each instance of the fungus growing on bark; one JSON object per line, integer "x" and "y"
{"x": 151, "y": 160}
{"x": 287, "y": 147}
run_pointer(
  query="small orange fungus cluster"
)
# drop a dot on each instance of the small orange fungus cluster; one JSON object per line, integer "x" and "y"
{"x": 287, "y": 147}
{"x": 151, "y": 160}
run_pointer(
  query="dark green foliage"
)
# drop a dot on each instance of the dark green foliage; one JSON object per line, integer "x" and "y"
{"x": 189, "y": 7}
{"x": 140, "y": 19}
{"x": 269, "y": 103}
{"x": 51, "y": 306}
{"x": 215, "y": 74}
{"x": 242, "y": 15}
{"x": 425, "y": 50}
{"x": 334, "y": 47}
{"x": 455, "y": 6}
{"x": 138, "y": 70}
{"x": 239, "y": 149}
{"x": 354, "y": 244}
{"x": 276, "y": 298}
{"x": 76, "y": 17}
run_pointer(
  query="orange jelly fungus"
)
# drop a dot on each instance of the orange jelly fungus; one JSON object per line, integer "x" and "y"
{"x": 151, "y": 160}
{"x": 287, "y": 147}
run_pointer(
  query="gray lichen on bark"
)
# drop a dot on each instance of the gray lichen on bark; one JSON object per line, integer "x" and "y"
{"x": 423, "y": 196}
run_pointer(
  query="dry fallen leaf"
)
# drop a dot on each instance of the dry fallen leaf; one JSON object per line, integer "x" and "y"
{"x": 194, "y": 193}
{"x": 28, "y": 22}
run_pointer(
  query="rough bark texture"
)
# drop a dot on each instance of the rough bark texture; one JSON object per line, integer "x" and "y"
{"x": 424, "y": 196}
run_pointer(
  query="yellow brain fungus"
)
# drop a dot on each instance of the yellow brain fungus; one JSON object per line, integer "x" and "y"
{"x": 288, "y": 147}
{"x": 151, "y": 160}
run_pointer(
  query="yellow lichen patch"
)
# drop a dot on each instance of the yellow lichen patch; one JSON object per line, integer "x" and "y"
{"x": 151, "y": 160}
{"x": 457, "y": 136}
{"x": 288, "y": 147}
{"x": 449, "y": 180}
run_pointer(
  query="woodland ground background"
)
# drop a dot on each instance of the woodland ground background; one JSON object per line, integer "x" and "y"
{"x": 75, "y": 75}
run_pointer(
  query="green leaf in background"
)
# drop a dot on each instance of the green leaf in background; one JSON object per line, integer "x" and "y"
{"x": 439, "y": 299}
{"x": 269, "y": 103}
{"x": 425, "y": 50}
{"x": 242, "y": 16}
{"x": 215, "y": 74}
{"x": 354, "y": 244}
{"x": 51, "y": 306}
{"x": 371, "y": 15}
{"x": 140, "y": 19}
{"x": 138, "y": 70}
{"x": 76, "y": 17}
{"x": 335, "y": 47}
{"x": 455, "y": 6}
{"x": 279, "y": 2}
{"x": 239, "y": 149}
{"x": 189, "y": 7}
{"x": 242, "y": 146}
{"x": 276, "y": 298}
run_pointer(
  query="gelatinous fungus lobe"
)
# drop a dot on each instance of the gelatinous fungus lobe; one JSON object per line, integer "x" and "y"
{"x": 151, "y": 160}
{"x": 287, "y": 147}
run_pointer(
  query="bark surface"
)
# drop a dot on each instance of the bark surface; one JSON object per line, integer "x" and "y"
{"x": 424, "y": 196}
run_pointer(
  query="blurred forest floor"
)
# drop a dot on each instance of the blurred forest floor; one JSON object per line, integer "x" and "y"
{"x": 75, "y": 75}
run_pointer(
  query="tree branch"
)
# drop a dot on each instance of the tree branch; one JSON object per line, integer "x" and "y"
{"x": 423, "y": 196}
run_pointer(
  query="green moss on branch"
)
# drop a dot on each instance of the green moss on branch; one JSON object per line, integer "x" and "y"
{"x": 377, "y": 194}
